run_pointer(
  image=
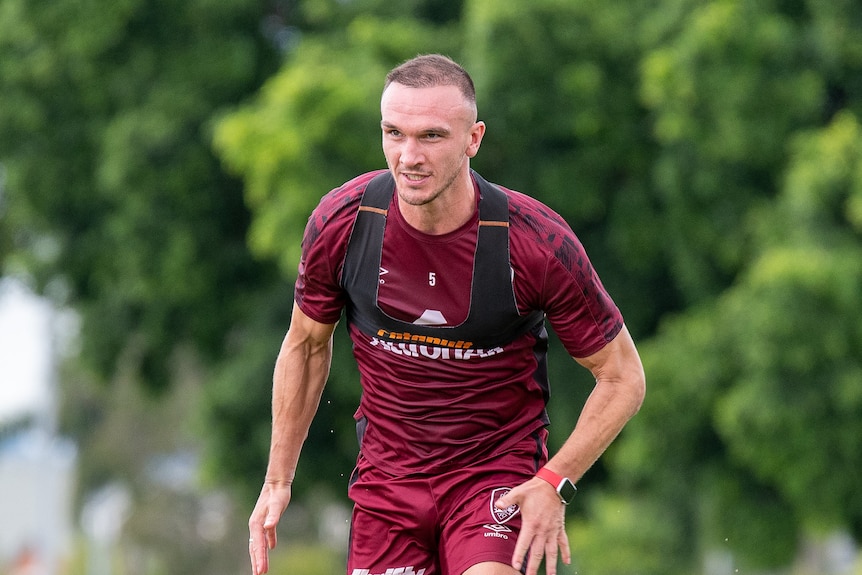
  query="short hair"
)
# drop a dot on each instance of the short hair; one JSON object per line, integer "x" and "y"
{"x": 430, "y": 70}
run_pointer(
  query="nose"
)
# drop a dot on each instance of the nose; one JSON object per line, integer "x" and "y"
{"x": 411, "y": 153}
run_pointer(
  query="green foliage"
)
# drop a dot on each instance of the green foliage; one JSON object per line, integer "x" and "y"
{"x": 824, "y": 185}
{"x": 736, "y": 513}
{"x": 115, "y": 201}
{"x": 627, "y": 535}
{"x": 298, "y": 140}
{"x": 799, "y": 305}
{"x": 806, "y": 374}
{"x": 762, "y": 385}
{"x": 306, "y": 559}
{"x": 725, "y": 91}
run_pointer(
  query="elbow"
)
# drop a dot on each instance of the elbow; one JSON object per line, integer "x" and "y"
{"x": 638, "y": 390}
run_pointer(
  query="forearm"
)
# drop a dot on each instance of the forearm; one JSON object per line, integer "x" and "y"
{"x": 607, "y": 410}
{"x": 298, "y": 380}
{"x": 616, "y": 397}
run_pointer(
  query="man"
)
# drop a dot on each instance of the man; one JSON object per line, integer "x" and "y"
{"x": 446, "y": 281}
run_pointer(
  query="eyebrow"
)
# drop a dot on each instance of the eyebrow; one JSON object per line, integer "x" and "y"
{"x": 432, "y": 130}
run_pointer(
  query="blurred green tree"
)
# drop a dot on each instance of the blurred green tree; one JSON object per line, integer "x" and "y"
{"x": 114, "y": 202}
{"x": 751, "y": 427}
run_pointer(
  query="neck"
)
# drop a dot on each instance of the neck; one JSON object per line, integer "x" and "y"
{"x": 445, "y": 213}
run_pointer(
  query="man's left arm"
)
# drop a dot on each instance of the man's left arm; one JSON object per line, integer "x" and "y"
{"x": 616, "y": 397}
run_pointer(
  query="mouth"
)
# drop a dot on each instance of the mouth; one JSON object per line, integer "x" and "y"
{"x": 415, "y": 178}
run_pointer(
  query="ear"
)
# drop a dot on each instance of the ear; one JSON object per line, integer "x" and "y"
{"x": 477, "y": 132}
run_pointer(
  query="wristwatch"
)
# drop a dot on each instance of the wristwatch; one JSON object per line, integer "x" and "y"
{"x": 565, "y": 488}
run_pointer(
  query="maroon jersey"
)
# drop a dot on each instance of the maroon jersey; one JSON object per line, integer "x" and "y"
{"x": 426, "y": 407}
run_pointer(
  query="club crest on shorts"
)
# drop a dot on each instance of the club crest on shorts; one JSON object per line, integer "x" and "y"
{"x": 502, "y": 515}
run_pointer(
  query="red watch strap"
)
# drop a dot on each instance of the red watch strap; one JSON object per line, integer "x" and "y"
{"x": 550, "y": 477}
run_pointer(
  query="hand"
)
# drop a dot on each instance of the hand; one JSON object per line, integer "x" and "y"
{"x": 543, "y": 529}
{"x": 262, "y": 524}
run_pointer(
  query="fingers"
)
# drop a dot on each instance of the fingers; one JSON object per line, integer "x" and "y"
{"x": 551, "y": 553}
{"x": 260, "y": 542}
{"x": 259, "y": 555}
{"x": 262, "y": 525}
{"x": 269, "y": 530}
{"x": 563, "y": 542}
{"x": 549, "y": 549}
{"x": 539, "y": 548}
{"x": 262, "y": 538}
{"x": 534, "y": 557}
{"x": 543, "y": 532}
{"x": 510, "y": 498}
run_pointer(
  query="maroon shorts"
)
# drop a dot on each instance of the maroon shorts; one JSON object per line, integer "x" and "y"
{"x": 439, "y": 524}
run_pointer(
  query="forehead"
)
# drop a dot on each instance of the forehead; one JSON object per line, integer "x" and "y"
{"x": 439, "y": 105}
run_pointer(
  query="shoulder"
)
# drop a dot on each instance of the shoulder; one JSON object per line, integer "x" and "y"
{"x": 553, "y": 272}
{"x": 345, "y": 197}
{"x": 541, "y": 230}
{"x": 542, "y": 242}
{"x": 528, "y": 213}
{"x": 338, "y": 207}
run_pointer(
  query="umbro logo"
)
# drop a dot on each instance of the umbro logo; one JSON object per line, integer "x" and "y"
{"x": 496, "y": 530}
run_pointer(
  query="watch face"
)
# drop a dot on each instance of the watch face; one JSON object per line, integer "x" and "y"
{"x": 567, "y": 491}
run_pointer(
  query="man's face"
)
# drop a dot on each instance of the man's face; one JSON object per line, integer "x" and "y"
{"x": 429, "y": 134}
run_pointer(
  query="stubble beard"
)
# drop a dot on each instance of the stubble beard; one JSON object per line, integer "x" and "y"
{"x": 425, "y": 200}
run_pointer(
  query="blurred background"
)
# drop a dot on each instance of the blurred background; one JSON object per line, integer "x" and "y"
{"x": 158, "y": 161}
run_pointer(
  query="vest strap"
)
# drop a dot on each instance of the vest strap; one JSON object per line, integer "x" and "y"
{"x": 493, "y": 319}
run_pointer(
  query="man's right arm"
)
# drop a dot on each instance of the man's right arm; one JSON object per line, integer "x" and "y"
{"x": 300, "y": 374}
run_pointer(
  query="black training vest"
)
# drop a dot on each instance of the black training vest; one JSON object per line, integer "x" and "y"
{"x": 493, "y": 319}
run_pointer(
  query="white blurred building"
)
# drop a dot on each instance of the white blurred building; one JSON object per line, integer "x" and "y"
{"x": 37, "y": 468}
{"x": 37, "y": 477}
